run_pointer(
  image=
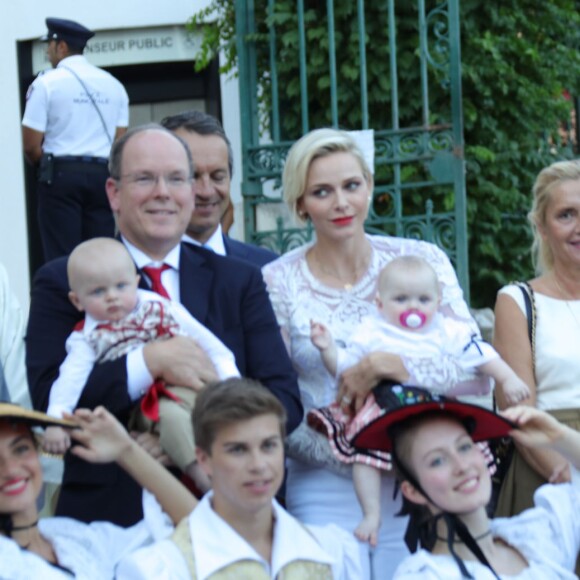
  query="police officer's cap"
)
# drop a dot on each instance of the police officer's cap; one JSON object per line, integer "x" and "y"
{"x": 71, "y": 32}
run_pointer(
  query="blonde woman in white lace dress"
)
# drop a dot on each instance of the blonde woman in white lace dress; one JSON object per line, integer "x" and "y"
{"x": 333, "y": 280}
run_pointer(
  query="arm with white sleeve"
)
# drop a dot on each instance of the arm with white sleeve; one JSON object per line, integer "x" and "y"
{"x": 35, "y": 120}
{"x": 66, "y": 390}
{"x": 72, "y": 375}
{"x": 12, "y": 344}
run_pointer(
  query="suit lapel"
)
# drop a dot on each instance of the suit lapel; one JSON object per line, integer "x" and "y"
{"x": 142, "y": 284}
{"x": 233, "y": 249}
{"x": 195, "y": 282}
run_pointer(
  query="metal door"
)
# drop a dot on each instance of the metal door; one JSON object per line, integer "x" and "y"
{"x": 394, "y": 67}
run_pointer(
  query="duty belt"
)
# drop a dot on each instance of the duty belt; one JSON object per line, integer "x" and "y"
{"x": 81, "y": 159}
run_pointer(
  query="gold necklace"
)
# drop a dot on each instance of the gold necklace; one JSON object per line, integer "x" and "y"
{"x": 358, "y": 271}
{"x": 566, "y": 300}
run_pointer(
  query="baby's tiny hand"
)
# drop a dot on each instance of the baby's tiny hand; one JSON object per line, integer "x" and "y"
{"x": 515, "y": 391}
{"x": 368, "y": 529}
{"x": 56, "y": 440}
{"x": 320, "y": 335}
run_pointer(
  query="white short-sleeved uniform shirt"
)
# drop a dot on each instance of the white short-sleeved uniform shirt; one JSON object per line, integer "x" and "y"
{"x": 59, "y": 106}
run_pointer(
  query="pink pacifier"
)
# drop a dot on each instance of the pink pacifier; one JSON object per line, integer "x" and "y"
{"x": 412, "y": 318}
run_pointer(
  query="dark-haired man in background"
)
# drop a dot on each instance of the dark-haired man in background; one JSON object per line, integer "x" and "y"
{"x": 213, "y": 159}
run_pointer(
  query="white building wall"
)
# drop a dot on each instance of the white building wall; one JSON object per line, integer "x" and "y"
{"x": 24, "y": 20}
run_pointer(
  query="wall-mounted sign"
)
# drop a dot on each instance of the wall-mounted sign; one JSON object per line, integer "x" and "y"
{"x": 131, "y": 46}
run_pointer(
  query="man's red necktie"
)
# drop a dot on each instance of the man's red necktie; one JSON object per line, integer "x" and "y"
{"x": 154, "y": 274}
{"x": 150, "y": 402}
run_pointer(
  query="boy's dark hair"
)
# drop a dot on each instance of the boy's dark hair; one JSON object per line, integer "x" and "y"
{"x": 232, "y": 401}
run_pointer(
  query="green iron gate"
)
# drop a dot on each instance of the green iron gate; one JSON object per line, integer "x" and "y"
{"x": 393, "y": 67}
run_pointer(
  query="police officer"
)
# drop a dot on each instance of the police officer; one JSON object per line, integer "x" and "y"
{"x": 73, "y": 114}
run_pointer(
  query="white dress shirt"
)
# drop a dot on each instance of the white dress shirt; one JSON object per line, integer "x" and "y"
{"x": 138, "y": 376}
{"x": 215, "y": 242}
{"x": 216, "y": 545}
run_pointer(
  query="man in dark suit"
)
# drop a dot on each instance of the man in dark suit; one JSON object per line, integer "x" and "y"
{"x": 151, "y": 194}
{"x": 214, "y": 164}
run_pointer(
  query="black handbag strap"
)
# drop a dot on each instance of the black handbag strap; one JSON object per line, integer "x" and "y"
{"x": 531, "y": 315}
{"x": 94, "y": 103}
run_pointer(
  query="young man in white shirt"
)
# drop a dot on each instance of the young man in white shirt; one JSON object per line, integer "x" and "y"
{"x": 238, "y": 529}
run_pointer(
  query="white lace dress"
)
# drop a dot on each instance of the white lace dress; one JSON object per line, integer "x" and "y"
{"x": 314, "y": 493}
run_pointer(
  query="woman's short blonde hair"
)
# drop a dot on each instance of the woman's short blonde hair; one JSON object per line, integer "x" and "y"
{"x": 315, "y": 144}
{"x": 547, "y": 181}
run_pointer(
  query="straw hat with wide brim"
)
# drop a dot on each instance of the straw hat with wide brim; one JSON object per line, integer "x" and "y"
{"x": 17, "y": 414}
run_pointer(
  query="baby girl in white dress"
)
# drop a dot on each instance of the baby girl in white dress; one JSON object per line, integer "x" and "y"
{"x": 408, "y": 299}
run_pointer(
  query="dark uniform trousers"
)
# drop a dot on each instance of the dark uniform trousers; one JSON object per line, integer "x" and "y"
{"x": 74, "y": 206}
